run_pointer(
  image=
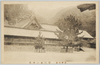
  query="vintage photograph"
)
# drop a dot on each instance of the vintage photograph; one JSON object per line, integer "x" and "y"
{"x": 57, "y": 32}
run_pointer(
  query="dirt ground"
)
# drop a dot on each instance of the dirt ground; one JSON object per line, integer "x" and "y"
{"x": 26, "y": 57}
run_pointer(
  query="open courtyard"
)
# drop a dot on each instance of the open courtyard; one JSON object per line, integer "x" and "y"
{"x": 27, "y": 55}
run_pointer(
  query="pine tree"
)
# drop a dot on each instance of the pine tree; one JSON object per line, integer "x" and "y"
{"x": 70, "y": 29}
{"x": 39, "y": 43}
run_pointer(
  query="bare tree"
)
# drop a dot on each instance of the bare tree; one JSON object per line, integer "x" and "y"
{"x": 15, "y": 13}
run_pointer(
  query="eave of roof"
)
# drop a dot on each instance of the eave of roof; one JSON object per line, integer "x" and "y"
{"x": 28, "y": 33}
{"x": 35, "y": 33}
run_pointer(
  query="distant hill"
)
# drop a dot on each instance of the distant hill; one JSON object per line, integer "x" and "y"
{"x": 87, "y": 18}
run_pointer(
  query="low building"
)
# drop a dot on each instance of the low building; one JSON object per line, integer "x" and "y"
{"x": 26, "y": 32}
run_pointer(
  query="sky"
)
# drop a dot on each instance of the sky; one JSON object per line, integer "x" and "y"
{"x": 47, "y": 10}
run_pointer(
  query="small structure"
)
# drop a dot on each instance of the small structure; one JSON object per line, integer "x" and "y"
{"x": 85, "y": 34}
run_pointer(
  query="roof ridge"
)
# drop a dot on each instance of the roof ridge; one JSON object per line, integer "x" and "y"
{"x": 48, "y": 24}
{"x": 28, "y": 29}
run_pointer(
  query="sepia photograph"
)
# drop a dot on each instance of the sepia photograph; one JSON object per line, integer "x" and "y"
{"x": 54, "y": 32}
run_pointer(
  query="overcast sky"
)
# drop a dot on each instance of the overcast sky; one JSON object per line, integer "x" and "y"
{"x": 47, "y": 10}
